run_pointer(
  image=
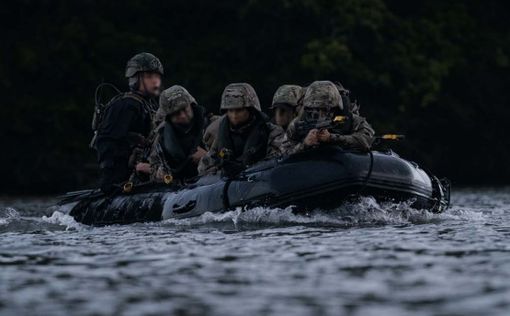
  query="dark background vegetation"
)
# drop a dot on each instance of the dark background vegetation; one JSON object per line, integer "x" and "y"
{"x": 437, "y": 71}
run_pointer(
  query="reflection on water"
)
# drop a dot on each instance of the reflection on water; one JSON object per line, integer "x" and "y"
{"x": 361, "y": 259}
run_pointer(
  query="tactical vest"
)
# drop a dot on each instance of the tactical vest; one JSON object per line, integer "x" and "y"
{"x": 172, "y": 142}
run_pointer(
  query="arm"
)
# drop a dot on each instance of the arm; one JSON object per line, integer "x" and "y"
{"x": 361, "y": 137}
{"x": 156, "y": 158}
{"x": 208, "y": 163}
{"x": 275, "y": 140}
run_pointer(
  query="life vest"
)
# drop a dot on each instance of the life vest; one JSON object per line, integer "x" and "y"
{"x": 246, "y": 145}
{"x": 174, "y": 144}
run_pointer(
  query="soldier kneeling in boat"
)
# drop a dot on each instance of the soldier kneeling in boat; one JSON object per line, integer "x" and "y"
{"x": 325, "y": 119}
{"x": 177, "y": 142}
{"x": 244, "y": 135}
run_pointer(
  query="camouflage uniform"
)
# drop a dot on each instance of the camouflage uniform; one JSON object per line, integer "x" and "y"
{"x": 268, "y": 137}
{"x": 211, "y": 132}
{"x": 323, "y": 94}
{"x": 172, "y": 146}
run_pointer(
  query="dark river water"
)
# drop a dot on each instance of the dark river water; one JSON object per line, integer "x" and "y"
{"x": 361, "y": 259}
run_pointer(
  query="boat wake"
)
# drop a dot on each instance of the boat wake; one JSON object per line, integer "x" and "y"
{"x": 11, "y": 221}
{"x": 364, "y": 212}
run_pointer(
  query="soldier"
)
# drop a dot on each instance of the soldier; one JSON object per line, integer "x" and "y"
{"x": 212, "y": 131}
{"x": 286, "y": 104}
{"x": 127, "y": 120}
{"x": 322, "y": 101}
{"x": 177, "y": 146}
{"x": 245, "y": 134}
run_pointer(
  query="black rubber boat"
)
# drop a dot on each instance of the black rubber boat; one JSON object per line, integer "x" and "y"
{"x": 319, "y": 179}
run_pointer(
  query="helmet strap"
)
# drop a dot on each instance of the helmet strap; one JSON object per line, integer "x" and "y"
{"x": 134, "y": 83}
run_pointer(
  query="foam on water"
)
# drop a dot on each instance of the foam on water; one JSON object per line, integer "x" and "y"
{"x": 7, "y": 215}
{"x": 12, "y": 221}
{"x": 367, "y": 211}
{"x": 59, "y": 218}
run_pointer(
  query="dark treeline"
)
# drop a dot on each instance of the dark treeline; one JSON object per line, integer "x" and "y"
{"x": 437, "y": 71}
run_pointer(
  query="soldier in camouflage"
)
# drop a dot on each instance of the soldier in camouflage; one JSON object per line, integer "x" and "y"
{"x": 212, "y": 131}
{"x": 245, "y": 134}
{"x": 322, "y": 100}
{"x": 177, "y": 146}
{"x": 127, "y": 120}
{"x": 286, "y": 104}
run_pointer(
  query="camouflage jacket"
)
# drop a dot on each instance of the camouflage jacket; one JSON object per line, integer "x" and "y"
{"x": 211, "y": 132}
{"x": 157, "y": 160}
{"x": 360, "y": 139}
{"x": 170, "y": 153}
{"x": 210, "y": 163}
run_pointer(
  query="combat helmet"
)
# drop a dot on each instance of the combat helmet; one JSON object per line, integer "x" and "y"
{"x": 143, "y": 62}
{"x": 322, "y": 94}
{"x": 289, "y": 95}
{"x": 239, "y": 95}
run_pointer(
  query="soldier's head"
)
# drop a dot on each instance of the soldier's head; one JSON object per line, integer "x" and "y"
{"x": 239, "y": 101}
{"x": 176, "y": 106}
{"x": 144, "y": 73}
{"x": 322, "y": 100}
{"x": 286, "y": 103}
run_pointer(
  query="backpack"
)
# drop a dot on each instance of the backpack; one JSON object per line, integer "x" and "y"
{"x": 100, "y": 106}
{"x": 350, "y": 105}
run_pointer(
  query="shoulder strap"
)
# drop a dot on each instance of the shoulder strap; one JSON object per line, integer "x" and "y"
{"x": 133, "y": 96}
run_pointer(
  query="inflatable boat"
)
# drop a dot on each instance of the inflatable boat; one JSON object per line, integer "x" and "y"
{"x": 323, "y": 179}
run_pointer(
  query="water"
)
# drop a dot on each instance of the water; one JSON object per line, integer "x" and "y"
{"x": 363, "y": 259}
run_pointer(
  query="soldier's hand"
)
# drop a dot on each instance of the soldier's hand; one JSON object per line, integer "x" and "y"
{"x": 198, "y": 154}
{"x": 312, "y": 138}
{"x": 324, "y": 136}
{"x": 143, "y": 167}
{"x": 160, "y": 175}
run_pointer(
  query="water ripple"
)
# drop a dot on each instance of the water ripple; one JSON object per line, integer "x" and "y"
{"x": 363, "y": 258}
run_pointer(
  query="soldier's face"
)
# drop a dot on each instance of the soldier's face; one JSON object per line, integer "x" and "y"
{"x": 283, "y": 116}
{"x": 238, "y": 116}
{"x": 151, "y": 83}
{"x": 183, "y": 117}
{"x": 318, "y": 113}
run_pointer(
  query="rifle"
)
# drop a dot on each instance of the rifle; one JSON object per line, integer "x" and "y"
{"x": 302, "y": 128}
{"x": 382, "y": 142}
{"x": 388, "y": 138}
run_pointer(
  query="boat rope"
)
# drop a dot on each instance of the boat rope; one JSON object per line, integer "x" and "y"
{"x": 369, "y": 174}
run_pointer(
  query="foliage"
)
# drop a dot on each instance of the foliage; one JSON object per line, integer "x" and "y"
{"x": 437, "y": 71}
